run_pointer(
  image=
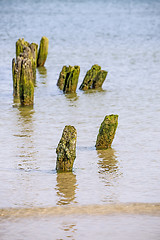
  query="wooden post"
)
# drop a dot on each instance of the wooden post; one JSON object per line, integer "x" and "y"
{"x": 20, "y": 45}
{"x": 107, "y": 132}
{"x": 62, "y": 77}
{"x": 71, "y": 81}
{"x": 34, "y": 56}
{"x": 23, "y": 80}
{"x": 89, "y": 77}
{"x": 16, "y": 73}
{"x": 26, "y": 86}
{"x": 66, "y": 150}
{"x": 43, "y": 52}
{"x": 68, "y": 79}
{"x": 99, "y": 79}
{"x": 23, "y": 48}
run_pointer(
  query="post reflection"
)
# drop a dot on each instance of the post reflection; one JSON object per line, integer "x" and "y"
{"x": 72, "y": 99}
{"x": 16, "y": 101}
{"x": 109, "y": 173}
{"x": 71, "y": 96}
{"x": 42, "y": 71}
{"x": 66, "y": 188}
{"x": 95, "y": 91}
{"x": 25, "y": 158}
{"x": 108, "y": 162}
{"x": 26, "y": 113}
{"x": 25, "y": 141}
{"x": 69, "y": 230}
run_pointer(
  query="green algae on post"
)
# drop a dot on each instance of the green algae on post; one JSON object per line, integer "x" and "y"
{"x": 34, "y": 56}
{"x": 25, "y": 49}
{"x": 62, "y": 77}
{"x": 34, "y": 50}
{"x": 16, "y": 73}
{"x": 68, "y": 79}
{"x": 23, "y": 79}
{"x": 24, "y": 72}
{"x": 31, "y": 53}
{"x": 89, "y": 77}
{"x": 66, "y": 149}
{"x": 26, "y": 86}
{"x": 99, "y": 79}
{"x": 20, "y": 46}
{"x": 107, "y": 132}
{"x": 71, "y": 80}
{"x": 43, "y": 51}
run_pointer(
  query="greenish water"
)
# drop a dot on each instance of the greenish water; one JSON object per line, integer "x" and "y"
{"x": 123, "y": 38}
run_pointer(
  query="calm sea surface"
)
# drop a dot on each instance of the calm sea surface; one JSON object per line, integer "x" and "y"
{"x": 123, "y": 37}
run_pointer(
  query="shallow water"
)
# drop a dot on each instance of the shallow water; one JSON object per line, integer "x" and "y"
{"x": 112, "y": 227}
{"x": 122, "y": 37}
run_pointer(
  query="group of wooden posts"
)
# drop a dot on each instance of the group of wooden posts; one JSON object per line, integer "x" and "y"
{"x": 28, "y": 58}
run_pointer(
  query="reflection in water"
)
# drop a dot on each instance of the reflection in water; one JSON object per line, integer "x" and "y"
{"x": 42, "y": 73}
{"x": 26, "y": 112}
{"x": 16, "y": 101}
{"x": 108, "y": 162}
{"x": 66, "y": 187}
{"x": 25, "y": 142}
{"x": 26, "y": 159}
{"x": 71, "y": 98}
{"x": 109, "y": 172}
{"x": 95, "y": 91}
{"x": 69, "y": 230}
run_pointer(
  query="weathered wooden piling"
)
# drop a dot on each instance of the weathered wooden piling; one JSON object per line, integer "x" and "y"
{"x": 94, "y": 78}
{"x": 107, "y": 132}
{"x": 62, "y": 77}
{"x": 43, "y": 51}
{"x": 89, "y": 77}
{"x": 34, "y": 56}
{"x": 28, "y": 50}
{"x": 68, "y": 79}
{"x": 66, "y": 149}
{"x": 34, "y": 51}
{"x": 26, "y": 84}
{"x": 20, "y": 46}
{"x": 16, "y": 73}
{"x": 99, "y": 79}
{"x": 72, "y": 80}
{"x": 23, "y": 79}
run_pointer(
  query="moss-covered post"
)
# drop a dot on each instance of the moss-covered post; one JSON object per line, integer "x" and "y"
{"x": 68, "y": 79}
{"x": 107, "y": 132}
{"x": 26, "y": 85}
{"x": 34, "y": 56}
{"x": 43, "y": 52}
{"x": 89, "y": 77}
{"x": 34, "y": 51}
{"x": 16, "y": 73}
{"x": 62, "y": 77}
{"x": 71, "y": 80}
{"x": 24, "y": 71}
{"x": 66, "y": 150}
{"x": 20, "y": 46}
{"x": 25, "y": 49}
{"x": 99, "y": 79}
